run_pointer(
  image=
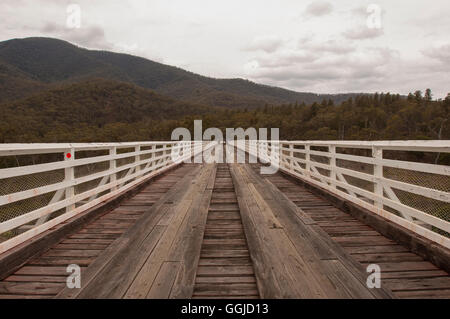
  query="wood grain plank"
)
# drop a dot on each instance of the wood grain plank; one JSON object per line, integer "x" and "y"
{"x": 104, "y": 276}
{"x": 163, "y": 284}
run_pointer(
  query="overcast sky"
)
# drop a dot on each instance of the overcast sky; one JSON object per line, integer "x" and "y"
{"x": 304, "y": 45}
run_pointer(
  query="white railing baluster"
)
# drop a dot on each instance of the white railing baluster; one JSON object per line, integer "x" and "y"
{"x": 291, "y": 154}
{"x": 112, "y": 166}
{"x": 377, "y": 154}
{"x": 137, "y": 158}
{"x": 307, "y": 160}
{"x": 69, "y": 176}
{"x": 333, "y": 165}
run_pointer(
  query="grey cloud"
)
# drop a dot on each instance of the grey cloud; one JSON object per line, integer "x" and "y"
{"x": 331, "y": 46}
{"x": 359, "y": 11}
{"x": 441, "y": 53}
{"x": 319, "y": 8}
{"x": 268, "y": 44}
{"x": 92, "y": 37}
{"x": 369, "y": 66}
{"x": 292, "y": 74}
{"x": 363, "y": 33}
{"x": 287, "y": 59}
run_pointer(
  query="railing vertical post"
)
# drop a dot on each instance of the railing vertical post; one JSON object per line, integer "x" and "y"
{"x": 152, "y": 156}
{"x": 332, "y": 151}
{"x": 291, "y": 157}
{"x": 307, "y": 161}
{"x": 137, "y": 158}
{"x": 377, "y": 154}
{"x": 69, "y": 175}
{"x": 167, "y": 152}
{"x": 112, "y": 165}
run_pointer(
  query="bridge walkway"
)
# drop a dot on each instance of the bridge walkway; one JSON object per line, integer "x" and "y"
{"x": 219, "y": 231}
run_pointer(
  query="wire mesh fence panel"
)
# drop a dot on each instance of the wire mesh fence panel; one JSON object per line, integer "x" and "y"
{"x": 42, "y": 185}
{"x": 401, "y": 180}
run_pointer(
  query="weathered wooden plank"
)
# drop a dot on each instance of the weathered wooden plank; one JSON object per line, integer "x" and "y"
{"x": 42, "y": 270}
{"x": 306, "y": 241}
{"x": 405, "y": 266}
{"x": 387, "y": 257}
{"x": 311, "y": 246}
{"x": 187, "y": 246}
{"x": 8, "y": 296}
{"x": 230, "y": 289}
{"x": 404, "y": 284}
{"x": 294, "y": 268}
{"x": 225, "y": 270}
{"x": 413, "y": 274}
{"x": 224, "y": 253}
{"x": 61, "y": 261}
{"x": 164, "y": 281}
{"x": 83, "y": 241}
{"x": 23, "y": 278}
{"x": 144, "y": 279}
{"x": 30, "y": 288}
{"x": 230, "y": 261}
{"x": 72, "y": 253}
{"x": 109, "y": 265}
{"x": 93, "y": 236}
{"x": 119, "y": 272}
{"x": 424, "y": 294}
{"x": 376, "y": 249}
{"x": 346, "y": 283}
{"x": 269, "y": 284}
{"x": 226, "y": 280}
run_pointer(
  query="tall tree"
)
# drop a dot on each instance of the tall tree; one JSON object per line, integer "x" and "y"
{"x": 428, "y": 95}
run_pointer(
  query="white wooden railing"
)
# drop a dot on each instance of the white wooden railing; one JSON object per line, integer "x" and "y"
{"x": 413, "y": 194}
{"x": 71, "y": 178}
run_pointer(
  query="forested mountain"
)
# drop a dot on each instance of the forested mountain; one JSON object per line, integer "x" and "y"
{"x": 91, "y": 111}
{"x": 15, "y": 84}
{"x": 106, "y": 111}
{"x": 52, "y": 91}
{"x": 44, "y": 61}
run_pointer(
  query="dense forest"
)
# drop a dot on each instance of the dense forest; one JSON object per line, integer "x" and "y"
{"x": 103, "y": 110}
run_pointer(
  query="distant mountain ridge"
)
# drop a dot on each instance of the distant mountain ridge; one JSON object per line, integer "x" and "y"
{"x": 33, "y": 64}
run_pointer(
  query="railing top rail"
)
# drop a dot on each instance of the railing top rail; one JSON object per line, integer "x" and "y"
{"x": 29, "y": 148}
{"x": 410, "y": 144}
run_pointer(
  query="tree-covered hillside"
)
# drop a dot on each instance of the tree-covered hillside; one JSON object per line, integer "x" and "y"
{"x": 49, "y": 61}
{"x": 102, "y": 111}
{"x": 88, "y": 111}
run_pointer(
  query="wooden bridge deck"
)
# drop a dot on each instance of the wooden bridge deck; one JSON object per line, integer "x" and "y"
{"x": 224, "y": 231}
